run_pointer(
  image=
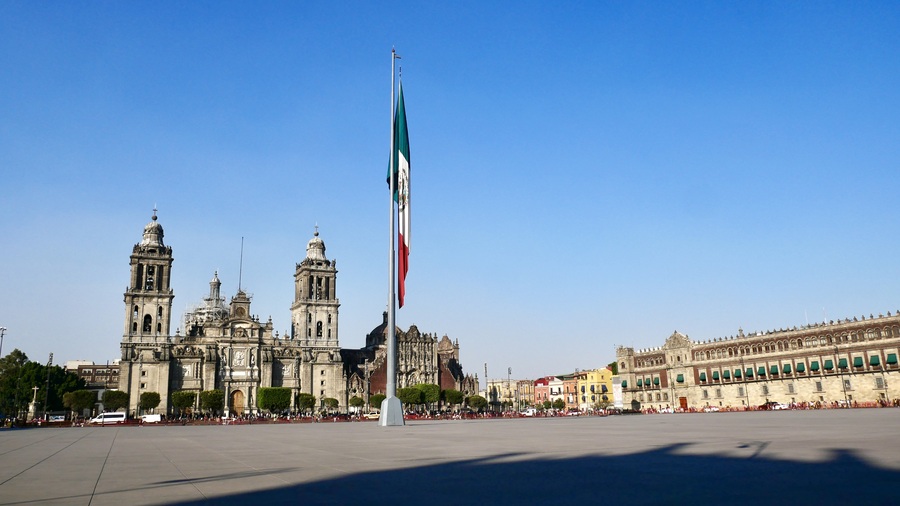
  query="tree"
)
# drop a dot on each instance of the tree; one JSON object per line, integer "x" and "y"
{"x": 357, "y": 402}
{"x": 183, "y": 399}
{"x": 431, "y": 393}
{"x": 547, "y": 404}
{"x": 477, "y": 402}
{"x": 212, "y": 401}
{"x": 375, "y": 400}
{"x": 15, "y": 394}
{"x": 114, "y": 400}
{"x": 273, "y": 399}
{"x": 79, "y": 400}
{"x": 306, "y": 402}
{"x": 614, "y": 367}
{"x": 453, "y": 397}
{"x": 559, "y": 404}
{"x": 149, "y": 400}
{"x": 18, "y": 376}
{"x": 410, "y": 396}
{"x": 331, "y": 403}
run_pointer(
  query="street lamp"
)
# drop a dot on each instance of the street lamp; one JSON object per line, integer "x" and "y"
{"x": 368, "y": 386}
{"x": 508, "y": 390}
{"x": 2, "y": 331}
{"x": 746, "y": 385}
{"x": 843, "y": 385}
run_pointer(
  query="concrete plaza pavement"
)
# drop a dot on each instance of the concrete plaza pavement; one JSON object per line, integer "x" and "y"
{"x": 797, "y": 457}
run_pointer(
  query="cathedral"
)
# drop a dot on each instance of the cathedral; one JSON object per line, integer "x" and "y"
{"x": 225, "y": 347}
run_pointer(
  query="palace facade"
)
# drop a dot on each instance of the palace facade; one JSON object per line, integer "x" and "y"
{"x": 837, "y": 362}
{"x": 226, "y": 347}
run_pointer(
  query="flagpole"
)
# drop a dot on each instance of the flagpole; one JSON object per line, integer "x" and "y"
{"x": 391, "y": 408}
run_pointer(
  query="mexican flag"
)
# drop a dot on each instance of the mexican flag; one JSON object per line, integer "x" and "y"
{"x": 400, "y": 172}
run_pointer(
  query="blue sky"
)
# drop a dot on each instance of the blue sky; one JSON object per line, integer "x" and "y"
{"x": 584, "y": 174}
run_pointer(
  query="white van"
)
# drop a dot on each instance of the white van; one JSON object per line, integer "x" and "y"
{"x": 151, "y": 418}
{"x": 107, "y": 418}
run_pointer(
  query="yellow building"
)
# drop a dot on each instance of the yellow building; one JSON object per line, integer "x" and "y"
{"x": 594, "y": 389}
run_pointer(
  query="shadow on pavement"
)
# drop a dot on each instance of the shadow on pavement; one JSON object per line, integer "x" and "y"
{"x": 662, "y": 476}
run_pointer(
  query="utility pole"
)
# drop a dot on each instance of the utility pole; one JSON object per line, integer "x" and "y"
{"x": 47, "y": 393}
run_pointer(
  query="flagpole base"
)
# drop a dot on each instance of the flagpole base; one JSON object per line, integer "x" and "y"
{"x": 391, "y": 413}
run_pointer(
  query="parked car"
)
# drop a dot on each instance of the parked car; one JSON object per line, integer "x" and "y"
{"x": 372, "y": 416}
{"x": 774, "y": 406}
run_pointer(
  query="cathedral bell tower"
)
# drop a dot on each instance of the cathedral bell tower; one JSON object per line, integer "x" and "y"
{"x": 314, "y": 314}
{"x": 148, "y": 298}
{"x": 314, "y": 323}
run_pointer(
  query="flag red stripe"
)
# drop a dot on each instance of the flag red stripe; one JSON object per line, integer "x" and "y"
{"x": 403, "y": 261}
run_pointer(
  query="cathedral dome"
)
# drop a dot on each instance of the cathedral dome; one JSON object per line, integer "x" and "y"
{"x": 315, "y": 249}
{"x": 153, "y": 233}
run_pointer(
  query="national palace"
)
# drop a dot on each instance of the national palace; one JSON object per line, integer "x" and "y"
{"x": 850, "y": 361}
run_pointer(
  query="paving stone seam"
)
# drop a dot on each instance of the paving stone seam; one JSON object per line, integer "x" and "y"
{"x": 103, "y": 467}
{"x": 41, "y": 460}
{"x": 54, "y": 435}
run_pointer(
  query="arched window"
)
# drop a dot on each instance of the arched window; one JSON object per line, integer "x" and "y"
{"x": 159, "y": 312}
{"x": 135, "y": 313}
{"x": 318, "y": 329}
{"x": 148, "y": 323}
{"x": 159, "y": 327}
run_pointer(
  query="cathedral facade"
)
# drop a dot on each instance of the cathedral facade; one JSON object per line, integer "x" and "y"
{"x": 225, "y": 347}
